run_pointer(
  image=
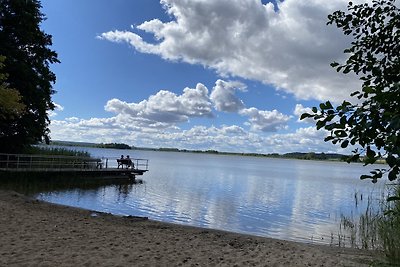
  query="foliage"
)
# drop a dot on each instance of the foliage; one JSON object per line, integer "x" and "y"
{"x": 374, "y": 122}
{"x": 27, "y": 52}
{"x": 114, "y": 145}
{"x": 11, "y": 106}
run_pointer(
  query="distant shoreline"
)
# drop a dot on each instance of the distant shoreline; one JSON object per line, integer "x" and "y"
{"x": 293, "y": 155}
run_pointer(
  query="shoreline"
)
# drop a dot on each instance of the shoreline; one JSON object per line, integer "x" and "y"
{"x": 37, "y": 233}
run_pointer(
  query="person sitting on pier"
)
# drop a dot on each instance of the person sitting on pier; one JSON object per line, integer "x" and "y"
{"x": 125, "y": 161}
{"x": 129, "y": 162}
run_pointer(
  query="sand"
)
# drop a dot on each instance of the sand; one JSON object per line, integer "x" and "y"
{"x": 35, "y": 233}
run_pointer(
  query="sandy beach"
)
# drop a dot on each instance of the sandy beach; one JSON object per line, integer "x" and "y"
{"x": 35, "y": 233}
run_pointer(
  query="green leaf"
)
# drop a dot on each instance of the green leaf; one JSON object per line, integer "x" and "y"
{"x": 328, "y": 105}
{"x": 343, "y": 121}
{"x": 363, "y": 177}
{"x": 391, "y": 161}
{"x": 334, "y": 64}
{"x": 346, "y": 104}
{"x": 347, "y": 70}
{"x": 320, "y": 124}
{"x": 368, "y": 89}
{"x": 305, "y": 115}
{"x": 329, "y": 138}
{"x": 393, "y": 174}
{"x": 379, "y": 143}
{"x": 340, "y": 133}
{"x": 370, "y": 152}
{"x": 344, "y": 144}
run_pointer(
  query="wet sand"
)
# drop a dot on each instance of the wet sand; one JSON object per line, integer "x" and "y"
{"x": 36, "y": 233}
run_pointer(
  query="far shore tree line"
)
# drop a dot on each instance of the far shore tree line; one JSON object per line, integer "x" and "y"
{"x": 291, "y": 155}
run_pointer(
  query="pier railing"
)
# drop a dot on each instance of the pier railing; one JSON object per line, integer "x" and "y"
{"x": 21, "y": 162}
{"x": 141, "y": 164}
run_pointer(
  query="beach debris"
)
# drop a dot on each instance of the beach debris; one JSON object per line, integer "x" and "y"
{"x": 136, "y": 218}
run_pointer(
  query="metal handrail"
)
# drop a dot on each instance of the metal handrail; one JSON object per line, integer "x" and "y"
{"x": 27, "y": 161}
{"x": 45, "y": 156}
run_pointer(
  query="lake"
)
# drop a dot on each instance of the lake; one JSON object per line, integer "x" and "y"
{"x": 280, "y": 198}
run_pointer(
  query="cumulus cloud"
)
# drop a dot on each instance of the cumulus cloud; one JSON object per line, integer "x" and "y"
{"x": 289, "y": 46}
{"x": 165, "y": 107}
{"x": 224, "y": 98}
{"x": 265, "y": 121}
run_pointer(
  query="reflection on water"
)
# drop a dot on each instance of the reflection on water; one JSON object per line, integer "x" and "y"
{"x": 41, "y": 184}
{"x": 286, "y": 199}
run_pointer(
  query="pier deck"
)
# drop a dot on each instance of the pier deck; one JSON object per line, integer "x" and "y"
{"x": 85, "y": 166}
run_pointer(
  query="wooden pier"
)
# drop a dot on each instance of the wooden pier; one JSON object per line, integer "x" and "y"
{"x": 69, "y": 165}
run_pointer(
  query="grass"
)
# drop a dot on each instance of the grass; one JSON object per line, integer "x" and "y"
{"x": 377, "y": 228}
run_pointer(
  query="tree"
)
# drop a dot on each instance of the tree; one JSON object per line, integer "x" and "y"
{"x": 10, "y": 99}
{"x": 374, "y": 123}
{"x": 27, "y": 59}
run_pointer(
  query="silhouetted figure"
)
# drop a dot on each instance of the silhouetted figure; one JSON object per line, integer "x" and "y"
{"x": 128, "y": 161}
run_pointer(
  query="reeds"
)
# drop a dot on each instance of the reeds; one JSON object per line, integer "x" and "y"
{"x": 389, "y": 228}
{"x": 59, "y": 151}
{"x": 377, "y": 228}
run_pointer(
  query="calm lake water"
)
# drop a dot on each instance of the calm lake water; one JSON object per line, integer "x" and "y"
{"x": 280, "y": 198}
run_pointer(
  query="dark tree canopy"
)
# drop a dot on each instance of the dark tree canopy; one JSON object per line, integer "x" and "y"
{"x": 374, "y": 123}
{"x": 27, "y": 58}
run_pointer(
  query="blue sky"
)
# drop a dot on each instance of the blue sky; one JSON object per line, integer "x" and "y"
{"x": 230, "y": 75}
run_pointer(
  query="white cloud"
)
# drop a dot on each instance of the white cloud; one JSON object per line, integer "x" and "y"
{"x": 265, "y": 121}
{"x": 303, "y": 140}
{"x": 299, "y": 110}
{"x": 156, "y": 121}
{"x": 224, "y": 98}
{"x": 165, "y": 108}
{"x": 290, "y": 48}
{"x": 233, "y": 129}
{"x": 231, "y": 138}
{"x": 58, "y": 107}
{"x": 53, "y": 113}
